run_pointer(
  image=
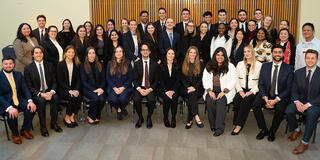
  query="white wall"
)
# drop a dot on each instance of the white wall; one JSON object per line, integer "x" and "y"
{"x": 15, "y": 12}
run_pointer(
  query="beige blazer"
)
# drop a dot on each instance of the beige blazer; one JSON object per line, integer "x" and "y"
{"x": 23, "y": 53}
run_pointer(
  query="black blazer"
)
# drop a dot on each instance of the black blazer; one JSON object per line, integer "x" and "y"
{"x": 239, "y": 56}
{"x": 285, "y": 79}
{"x": 246, "y": 29}
{"x": 37, "y": 34}
{"x": 63, "y": 78}
{"x": 164, "y": 43}
{"x": 186, "y": 43}
{"x": 167, "y": 82}
{"x": 179, "y": 28}
{"x": 95, "y": 45}
{"x": 88, "y": 83}
{"x": 298, "y": 87}
{"x": 51, "y": 53}
{"x": 32, "y": 77}
{"x": 154, "y": 47}
{"x": 81, "y": 50}
{"x": 273, "y": 36}
{"x": 138, "y": 74}
{"x": 66, "y": 38}
{"x": 158, "y": 27}
{"x": 293, "y": 52}
{"x": 195, "y": 81}
{"x": 128, "y": 46}
{"x": 142, "y": 33}
{"x": 110, "y": 49}
{"x": 203, "y": 46}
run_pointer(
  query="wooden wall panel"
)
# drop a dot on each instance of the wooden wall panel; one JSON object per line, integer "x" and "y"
{"x": 102, "y": 10}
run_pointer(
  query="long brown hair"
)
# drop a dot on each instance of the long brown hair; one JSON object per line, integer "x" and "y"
{"x": 271, "y": 27}
{"x": 77, "y": 38}
{"x": 122, "y": 66}
{"x": 253, "y": 60}
{"x": 96, "y": 61}
{"x": 75, "y": 58}
{"x": 194, "y": 33}
{"x": 186, "y": 62}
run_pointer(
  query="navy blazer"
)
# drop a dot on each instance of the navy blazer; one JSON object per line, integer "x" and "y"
{"x": 158, "y": 28}
{"x": 164, "y": 43}
{"x": 125, "y": 79}
{"x": 285, "y": 79}
{"x": 23, "y": 93}
{"x": 179, "y": 28}
{"x": 235, "y": 59}
{"x": 88, "y": 82}
{"x": 128, "y": 46}
{"x": 298, "y": 87}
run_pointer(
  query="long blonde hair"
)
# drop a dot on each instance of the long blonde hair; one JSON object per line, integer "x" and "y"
{"x": 271, "y": 27}
{"x": 75, "y": 58}
{"x": 186, "y": 62}
{"x": 123, "y": 68}
{"x": 253, "y": 60}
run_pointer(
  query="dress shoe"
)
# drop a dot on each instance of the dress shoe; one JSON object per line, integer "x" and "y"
{"x": 69, "y": 125}
{"x": 75, "y": 124}
{"x": 173, "y": 123}
{"x": 213, "y": 129}
{"x": 26, "y": 134}
{"x": 261, "y": 134}
{"x": 149, "y": 123}
{"x": 271, "y": 136}
{"x": 300, "y": 149}
{"x": 16, "y": 139}
{"x": 216, "y": 134}
{"x": 56, "y": 128}
{"x": 124, "y": 112}
{"x": 44, "y": 132}
{"x": 236, "y": 133}
{"x": 294, "y": 135}
{"x": 119, "y": 116}
{"x": 189, "y": 126}
{"x": 199, "y": 124}
{"x": 166, "y": 123}
{"x": 139, "y": 122}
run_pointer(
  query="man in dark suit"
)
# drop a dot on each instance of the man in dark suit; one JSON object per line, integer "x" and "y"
{"x": 130, "y": 42}
{"x": 275, "y": 82}
{"x": 305, "y": 96}
{"x": 161, "y": 23}
{"x": 14, "y": 98}
{"x": 242, "y": 17}
{"x": 207, "y": 17}
{"x": 144, "y": 19}
{"x": 258, "y": 16}
{"x": 170, "y": 39}
{"x": 145, "y": 81}
{"x": 185, "y": 16}
{"x": 222, "y": 18}
{"x": 41, "y": 80}
{"x": 41, "y": 30}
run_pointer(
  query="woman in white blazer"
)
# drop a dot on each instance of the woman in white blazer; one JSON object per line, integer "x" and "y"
{"x": 248, "y": 72}
{"x": 219, "y": 81}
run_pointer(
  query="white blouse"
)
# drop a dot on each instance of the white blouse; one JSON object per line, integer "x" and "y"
{"x": 70, "y": 70}
{"x": 220, "y": 42}
{"x": 59, "y": 48}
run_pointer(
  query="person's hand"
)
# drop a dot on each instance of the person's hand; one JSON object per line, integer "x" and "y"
{"x": 142, "y": 92}
{"x": 116, "y": 90}
{"x": 159, "y": 62}
{"x": 220, "y": 95}
{"x": 71, "y": 93}
{"x": 212, "y": 95}
{"x": 242, "y": 94}
{"x": 121, "y": 89}
{"x": 46, "y": 96}
{"x": 169, "y": 94}
{"x": 13, "y": 113}
{"x": 31, "y": 106}
{"x": 248, "y": 94}
{"x": 76, "y": 93}
{"x": 191, "y": 89}
{"x": 305, "y": 107}
{"x": 299, "y": 106}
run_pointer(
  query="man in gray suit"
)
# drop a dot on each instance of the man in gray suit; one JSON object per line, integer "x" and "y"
{"x": 305, "y": 96}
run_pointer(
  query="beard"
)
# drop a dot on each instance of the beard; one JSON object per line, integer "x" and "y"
{"x": 8, "y": 71}
{"x": 276, "y": 59}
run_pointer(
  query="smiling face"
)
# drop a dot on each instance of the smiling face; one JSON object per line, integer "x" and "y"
{"x": 222, "y": 16}
{"x": 261, "y": 35}
{"x": 91, "y": 55}
{"x": 145, "y": 51}
{"x": 41, "y": 22}
{"x": 53, "y": 33}
{"x": 99, "y": 31}
{"x": 162, "y": 14}
{"x": 221, "y": 29}
{"x": 88, "y": 27}
{"x": 82, "y": 32}
{"x": 133, "y": 26}
{"x": 247, "y": 53}
{"x": 190, "y": 27}
{"x": 185, "y": 16}
{"x": 307, "y": 32}
{"x": 69, "y": 54}
{"x": 239, "y": 36}
{"x": 203, "y": 28}
{"x": 37, "y": 55}
{"x": 284, "y": 35}
{"x": 25, "y": 30}
{"x": 170, "y": 55}
{"x": 207, "y": 19}
{"x": 258, "y": 15}
{"x": 233, "y": 24}
{"x": 311, "y": 60}
{"x": 192, "y": 54}
{"x": 110, "y": 26}
{"x": 114, "y": 36}
{"x": 150, "y": 29}
{"x": 284, "y": 24}
{"x": 8, "y": 65}
{"x": 267, "y": 22}
{"x": 251, "y": 26}
{"x": 66, "y": 25}
{"x": 242, "y": 16}
{"x": 277, "y": 54}
{"x": 144, "y": 18}
{"x": 118, "y": 53}
{"x": 169, "y": 24}
{"x": 219, "y": 57}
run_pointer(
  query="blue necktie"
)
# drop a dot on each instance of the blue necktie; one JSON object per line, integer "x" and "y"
{"x": 171, "y": 38}
{"x": 42, "y": 79}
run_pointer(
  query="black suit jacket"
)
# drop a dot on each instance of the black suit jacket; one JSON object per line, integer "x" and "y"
{"x": 142, "y": 33}
{"x": 298, "y": 87}
{"x": 285, "y": 79}
{"x": 158, "y": 27}
{"x": 179, "y": 28}
{"x": 167, "y": 82}
{"x": 128, "y": 46}
{"x": 81, "y": 50}
{"x": 235, "y": 59}
{"x": 246, "y": 29}
{"x": 32, "y": 77}
{"x": 213, "y": 28}
{"x": 195, "y": 81}
{"x": 37, "y": 34}
{"x": 164, "y": 43}
{"x": 63, "y": 78}
{"x": 138, "y": 74}
{"x": 51, "y": 53}
{"x": 88, "y": 83}
{"x": 203, "y": 46}
{"x": 154, "y": 47}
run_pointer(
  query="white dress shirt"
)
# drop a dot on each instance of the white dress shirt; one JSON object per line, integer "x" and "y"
{"x": 59, "y": 48}
{"x": 272, "y": 70}
{"x": 44, "y": 75}
{"x": 135, "y": 41}
{"x": 70, "y": 70}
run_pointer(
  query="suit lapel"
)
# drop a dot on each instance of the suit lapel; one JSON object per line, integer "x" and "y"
{"x": 314, "y": 78}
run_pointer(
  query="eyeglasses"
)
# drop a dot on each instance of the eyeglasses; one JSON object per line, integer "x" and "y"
{"x": 145, "y": 50}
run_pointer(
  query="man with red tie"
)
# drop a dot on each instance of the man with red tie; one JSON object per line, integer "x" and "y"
{"x": 145, "y": 81}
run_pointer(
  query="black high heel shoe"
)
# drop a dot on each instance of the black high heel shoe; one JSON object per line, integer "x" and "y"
{"x": 199, "y": 124}
{"x": 236, "y": 133}
{"x": 189, "y": 126}
{"x": 69, "y": 125}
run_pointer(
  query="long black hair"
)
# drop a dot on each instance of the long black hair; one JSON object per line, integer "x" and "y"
{"x": 164, "y": 63}
{"x": 20, "y": 35}
{"x": 226, "y": 35}
{"x": 71, "y": 27}
{"x": 212, "y": 65}
{"x": 254, "y": 39}
{"x": 94, "y": 37}
{"x": 235, "y": 40}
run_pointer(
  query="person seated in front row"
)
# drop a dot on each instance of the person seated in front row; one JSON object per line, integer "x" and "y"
{"x": 305, "y": 96}
{"x": 40, "y": 76}
{"x": 145, "y": 80}
{"x": 93, "y": 82}
{"x": 14, "y": 98}
{"x": 119, "y": 78}
{"x": 274, "y": 85}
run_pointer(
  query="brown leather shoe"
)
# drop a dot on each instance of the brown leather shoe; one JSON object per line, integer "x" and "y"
{"x": 26, "y": 134}
{"x": 293, "y": 136}
{"x": 16, "y": 139}
{"x": 300, "y": 149}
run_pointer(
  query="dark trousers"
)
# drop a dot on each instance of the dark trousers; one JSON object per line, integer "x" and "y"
{"x": 119, "y": 100}
{"x": 41, "y": 108}
{"x": 96, "y": 104}
{"x": 312, "y": 115}
{"x": 217, "y": 110}
{"x": 151, "y": 98}
{"x": 27, "y": 120}
{"x": 279, "y": 107}
{"x": 74, "y": 103}
{"x": 242, "y": 108}
{"x": 169, "y": 104}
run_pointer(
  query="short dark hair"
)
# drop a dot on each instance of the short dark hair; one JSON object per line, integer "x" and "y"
{"x": 112, "y": 21}
{"x": 42, "y": 16}
{"x": 252, "y": 20}
{"x": 207, "y": 13}
{"x": 285, "y": 21}
{"x": 145, "y": 43}
{"x": 144, "y": 11}
{"x": 276, "y": 46}
{"x": 185, "y": 9}
{"x": 37, "y": 47}
{"x": 308, "y": 24}
{"x": 258, "y": 9}
{"x": 161, "y": 8}
{"x": 312, "y": 51}
{"x": 242, "y": 10}
{"x": 222, "y": 10}
{"x": 8, "y": 58}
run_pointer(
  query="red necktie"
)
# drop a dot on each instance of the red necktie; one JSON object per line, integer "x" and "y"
{"x": 146, "y": 75}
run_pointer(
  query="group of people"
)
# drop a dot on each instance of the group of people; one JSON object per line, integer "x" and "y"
{"x": 249, "y": 64}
